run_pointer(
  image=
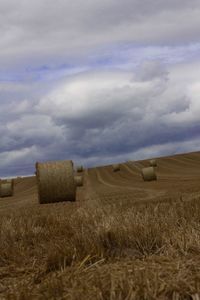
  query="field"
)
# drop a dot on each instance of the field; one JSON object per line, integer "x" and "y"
{"x": 122, "y": 239}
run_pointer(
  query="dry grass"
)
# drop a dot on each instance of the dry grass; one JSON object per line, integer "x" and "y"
{"x": 101, "y": 250}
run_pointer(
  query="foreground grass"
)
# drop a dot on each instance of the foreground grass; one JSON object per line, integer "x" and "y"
{"x": 101, "y": 250}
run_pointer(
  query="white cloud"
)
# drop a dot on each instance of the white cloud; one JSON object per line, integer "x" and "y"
{"x": 97, "y": 81}
{"x": 106, "y": 110}
{"x": 100, "y": 94}
{"x": 101, "y": 117}
{"x": 7, "y": 158}
{"x": 32, "y": 127}
{"x": 44, "y": 31}
{"x": 192, "y": 114}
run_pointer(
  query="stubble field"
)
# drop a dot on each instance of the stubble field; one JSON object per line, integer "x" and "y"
{"x": 122, "y": 239}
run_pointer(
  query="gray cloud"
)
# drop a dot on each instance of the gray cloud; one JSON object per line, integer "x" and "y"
{"x": 40, "y": 30}
{"x": 101, "y": 117}
{"x": 97, "y": 82}
{"x": 151, "y": 70}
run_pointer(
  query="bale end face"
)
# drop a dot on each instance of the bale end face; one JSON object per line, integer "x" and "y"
{"x": 148, "y": 174}
{"x": 55, "y": 181}
{"x": 78, "y": 180}
{"x": 7, "y": 188}
{"x": 153, "y": 163}
{"x": 116, "y": 167}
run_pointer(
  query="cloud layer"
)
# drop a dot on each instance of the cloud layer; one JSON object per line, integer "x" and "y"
{"x": 38, "y": 30}
{"x": 101, "y": 117}
{"x": 97, "y": 81}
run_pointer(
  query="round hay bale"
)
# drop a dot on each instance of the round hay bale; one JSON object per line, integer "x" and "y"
{"x": 79, "y": 169}
{"x": 78, "y": 180}
{"x": 153, "y": 163}
{"x": 55, "y": 181}
{"x": 9, "y": 181}
{"x": 6, "y": 188}
{"x": 116, "y": 167}
{"x": 149, "y": 174}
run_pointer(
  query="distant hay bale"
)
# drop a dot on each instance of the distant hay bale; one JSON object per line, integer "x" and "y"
{"x": 7, "y": 188}
{"x": 78, "y": 180}
{"x": 116, "y": 167}
{"x": 55, "y": 181}
{"x": 149, "y": 174}
{"x": 153, "y": 163}
{"x": 8, "y": 180}
{"x": 79, "y": 169}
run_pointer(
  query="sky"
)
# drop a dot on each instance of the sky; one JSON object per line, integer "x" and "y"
{"x": 97, "y": 81}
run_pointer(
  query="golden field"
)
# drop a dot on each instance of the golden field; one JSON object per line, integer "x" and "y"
{"x": 122, "y": 239}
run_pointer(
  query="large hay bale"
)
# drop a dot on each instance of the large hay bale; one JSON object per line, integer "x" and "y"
{"x": 79, "y": 169}
{"x": 6, "y": 188}
{"x": 78, "y": 180}
{"x": 116, "y": 167}
{"x": 149, "y": 174}
{"x": 153, "y": 163}
{"x": 55, "y": 181}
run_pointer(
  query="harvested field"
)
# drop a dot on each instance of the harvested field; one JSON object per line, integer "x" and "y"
{"x": 123, "y": 238}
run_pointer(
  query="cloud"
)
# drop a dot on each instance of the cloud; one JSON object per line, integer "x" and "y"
{"x": 104, "y": 116}
{"x": 97, "y": 81}
{"x": 38, "y": 31}
{"x": 18, "y": 162}
{"x": 192, "y": 114}
{"x": 105, "y": 113}
{"x": 30, "y": 130}
{"x": 151, "y": 70}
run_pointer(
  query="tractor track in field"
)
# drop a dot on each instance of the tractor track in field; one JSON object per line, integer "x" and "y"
{"x": 178, "y": 176}
{"x": 130, "y": 169}
{"x": 143, "y": 192}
